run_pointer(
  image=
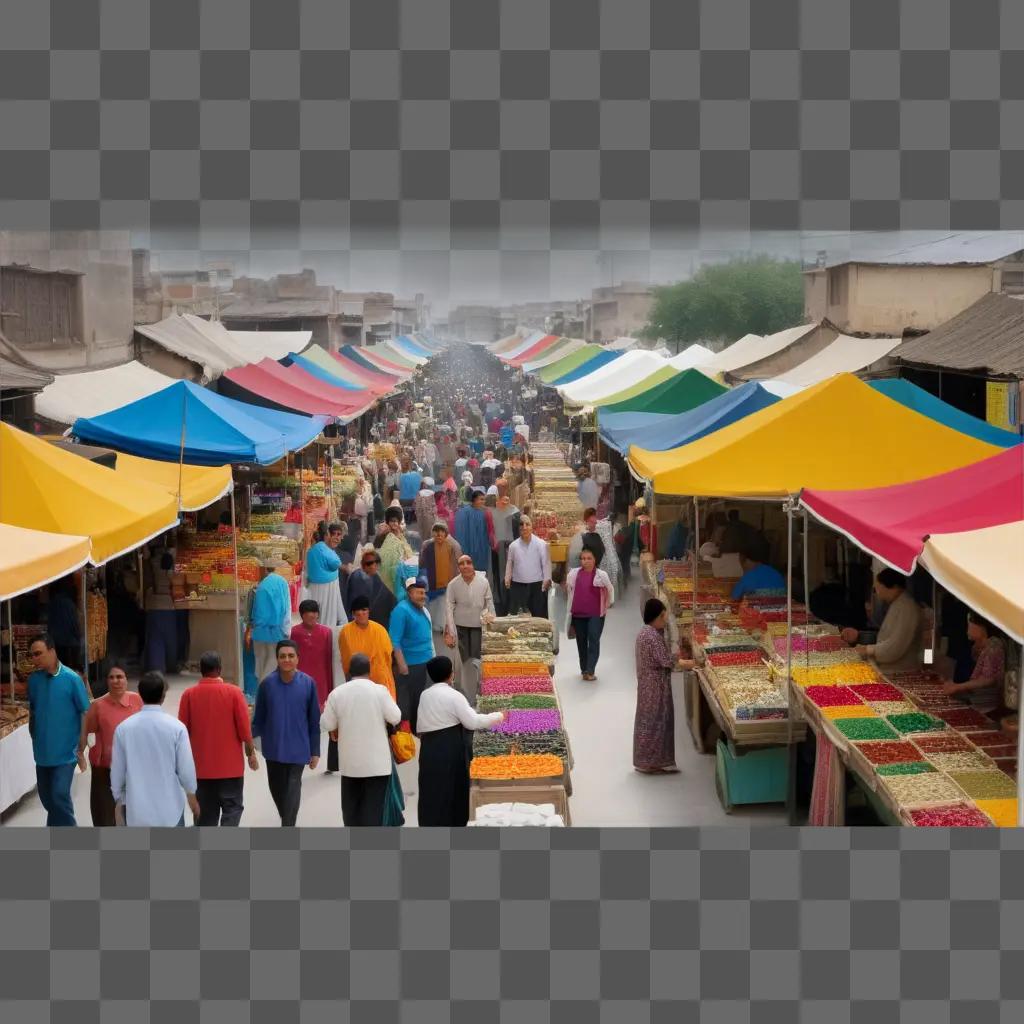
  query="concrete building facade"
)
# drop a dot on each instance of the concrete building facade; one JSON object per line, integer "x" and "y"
{"x": 66, "y": 297}
{"x": 618, "y": 310}
{"x": 916, "y": 289}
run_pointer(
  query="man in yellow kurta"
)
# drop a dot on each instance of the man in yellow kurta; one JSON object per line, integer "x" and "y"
{"x": 361, "y": 636}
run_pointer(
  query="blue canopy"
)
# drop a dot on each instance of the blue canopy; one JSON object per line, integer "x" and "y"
{"x": 659, "y": 432}
{"x": 319, "y": 372}
{"x": 913, "y": 397}
{"x": 409, "y": 345}
{"x": 601, "y": 359}
{"x": 217, "y": 429}
{"x": 351, "y": 352}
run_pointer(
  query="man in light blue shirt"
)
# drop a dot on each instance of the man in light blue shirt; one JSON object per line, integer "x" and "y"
{"x": 270, "y": 618}
{"x": 57, "y": 700}
{"x": 412, "y": 638}
{"x": 152, "y": 772}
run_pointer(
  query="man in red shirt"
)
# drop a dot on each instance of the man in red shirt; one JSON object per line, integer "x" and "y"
{"x": 217, "y": 719}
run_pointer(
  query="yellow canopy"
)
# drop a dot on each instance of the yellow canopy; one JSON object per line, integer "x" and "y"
{"x": 985, "y": 570}
{"x": 840, "y": 434}
{"x": 200, "y": 485}
{"x": 42, "y": 487}
{"x": 30, "y": 559}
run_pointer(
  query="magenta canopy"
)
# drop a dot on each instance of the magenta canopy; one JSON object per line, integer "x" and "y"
{"x": 892, "y": 523}
{"x": 292, "y": 388}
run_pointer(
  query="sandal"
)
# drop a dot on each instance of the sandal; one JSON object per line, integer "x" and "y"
{"x": 672, "y": 770}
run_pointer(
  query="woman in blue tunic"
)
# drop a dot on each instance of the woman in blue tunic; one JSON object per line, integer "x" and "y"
{"x": 474, "y": 530}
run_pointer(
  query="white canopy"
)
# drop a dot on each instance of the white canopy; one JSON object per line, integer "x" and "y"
{"x": 270, "y": 344}
{"x": 217, "y": 349}
{"x": 751, "y": 348}
{"x": 844, "y": 355}
{"x": 695, "y": 355}
{"x": 621, "y": 344}
{"x": 629, "y": 369}
{"x": 96, "y": 392}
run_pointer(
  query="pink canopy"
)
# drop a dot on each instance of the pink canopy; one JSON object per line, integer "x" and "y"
{"x": 892, "y": 523}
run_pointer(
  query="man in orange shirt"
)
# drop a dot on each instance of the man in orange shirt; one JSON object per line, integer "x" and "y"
{"x": 217, "y": 719}
{"x": 102, "y": 718}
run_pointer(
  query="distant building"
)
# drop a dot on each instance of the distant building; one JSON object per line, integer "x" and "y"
{"x": 296, "y": 302}
{"x": 475, "y": 323}
{"x": 160, "y": 293}
{"x": 618, "y": 310}
{"x": 66, "y": 297}
{"x": 917, "y": 288}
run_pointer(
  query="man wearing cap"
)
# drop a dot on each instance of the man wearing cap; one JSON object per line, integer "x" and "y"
{"x": 413, "y": 642}
{"x": 270, "y": 617}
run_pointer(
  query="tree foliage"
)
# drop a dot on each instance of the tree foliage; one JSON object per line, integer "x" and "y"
{"x": 723, "y": 302}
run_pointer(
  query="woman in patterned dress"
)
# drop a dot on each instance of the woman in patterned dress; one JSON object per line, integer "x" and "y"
{"x": 654, "y": 726}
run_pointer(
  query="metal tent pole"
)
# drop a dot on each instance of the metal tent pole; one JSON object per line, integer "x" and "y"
{"x": 238, "y": 612}
{"x": 791, "y": 749}
{"x": 10, "y": 644}
{"x": 1020, "y": 745}
{"x": 807, "y": 583}
{"x": 696, "y": 555}
{"x": 85, "y": 625}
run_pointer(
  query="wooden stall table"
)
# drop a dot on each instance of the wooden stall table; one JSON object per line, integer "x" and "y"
{"x": 754, "y": 758}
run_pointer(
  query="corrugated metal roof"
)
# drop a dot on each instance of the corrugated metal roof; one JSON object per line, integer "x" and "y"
{"x": 961, "y": 247}
{"x": 988, "y": 336}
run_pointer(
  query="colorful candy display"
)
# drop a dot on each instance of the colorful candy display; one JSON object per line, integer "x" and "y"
{"x": 950, "y": 816}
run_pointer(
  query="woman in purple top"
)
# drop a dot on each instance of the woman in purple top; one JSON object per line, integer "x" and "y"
{"x": 588, "y": 597}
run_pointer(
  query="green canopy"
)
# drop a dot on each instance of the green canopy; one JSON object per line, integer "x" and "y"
{"x": 684, "y": 391}
{"x": 572, "y": 361}
{"x": 640, "y": 387}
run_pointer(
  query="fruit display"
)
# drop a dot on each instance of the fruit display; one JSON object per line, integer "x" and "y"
{"x": 207, "y": 559}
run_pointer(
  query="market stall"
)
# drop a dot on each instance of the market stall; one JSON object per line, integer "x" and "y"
{"x": 526, "y": 759}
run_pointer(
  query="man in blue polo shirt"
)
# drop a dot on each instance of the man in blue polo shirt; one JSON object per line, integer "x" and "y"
{"x": 412, "y": 638}
{"x": 756, "y": 576}
{"x": 57, "y": 700}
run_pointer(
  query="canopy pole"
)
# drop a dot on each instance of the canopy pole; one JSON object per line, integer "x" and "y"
{"x": 696, "y": 555}
{"x": 10, "y": 645}
{"x": 807, "y": 583}
{"x": 181, "y": 447}
{"x": 85, "y": 625}
{"x": 791, "y": 781}
{"x": 1020, "y": 745}
{"x": 238, "y": 612}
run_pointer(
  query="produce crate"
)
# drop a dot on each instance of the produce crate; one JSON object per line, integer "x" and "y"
{"x": 521, "y": 794}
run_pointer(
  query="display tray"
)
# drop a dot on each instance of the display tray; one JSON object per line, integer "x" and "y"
{"x": 770, "y": 732}
{"x": 526, "y": 794}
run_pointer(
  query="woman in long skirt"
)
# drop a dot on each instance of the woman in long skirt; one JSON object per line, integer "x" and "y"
{"x": 443, "y": 717}
{"x": 654, "y": 726}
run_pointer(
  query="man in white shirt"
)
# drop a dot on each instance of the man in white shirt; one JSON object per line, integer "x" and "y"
{"x": 361, "y": 711}
{"x": 528, "y": 572}
{"x": 152, "y": 772}
{"x": 467, "y": 598}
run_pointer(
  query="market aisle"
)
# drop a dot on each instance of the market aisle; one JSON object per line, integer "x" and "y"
{"x": 599, "y": 723}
